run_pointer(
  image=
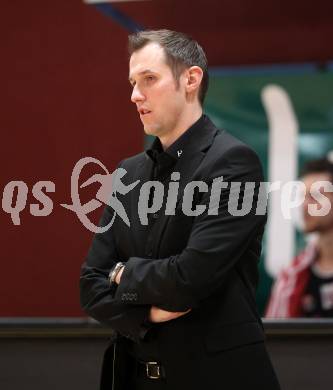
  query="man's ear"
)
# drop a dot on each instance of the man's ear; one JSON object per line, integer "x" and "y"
{"x": 194, "y": 76}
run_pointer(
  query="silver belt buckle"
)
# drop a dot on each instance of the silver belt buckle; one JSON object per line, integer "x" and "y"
{"x": 153, "y": 370}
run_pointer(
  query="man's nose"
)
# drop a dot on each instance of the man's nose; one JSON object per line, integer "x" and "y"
{"x": 137, "y": 95}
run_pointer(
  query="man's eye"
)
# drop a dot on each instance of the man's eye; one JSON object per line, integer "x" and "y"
{"x": 150, "y": 78}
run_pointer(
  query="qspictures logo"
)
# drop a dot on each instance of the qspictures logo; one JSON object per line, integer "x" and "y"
{"x": 242, "y": 197}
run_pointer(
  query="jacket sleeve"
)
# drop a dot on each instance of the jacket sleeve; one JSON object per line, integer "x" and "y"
{"x": 215, "y": 245}
{"x": 96, "y": 296}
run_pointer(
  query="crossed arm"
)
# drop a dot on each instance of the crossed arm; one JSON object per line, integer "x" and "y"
{"x": 156, "y": 314}
{"x": 98, "y": 298}
{"x": 168, "y": 288}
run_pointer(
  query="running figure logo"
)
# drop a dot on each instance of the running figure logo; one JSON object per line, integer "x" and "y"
{"x": 111, "y": 184}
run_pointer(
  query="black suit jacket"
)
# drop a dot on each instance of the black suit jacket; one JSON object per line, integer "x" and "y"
{"x": 208, "y": 263}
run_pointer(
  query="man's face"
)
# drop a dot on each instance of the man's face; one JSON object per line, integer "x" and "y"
{"x": 316, "y": 223}
{"x": 159, "y": 100}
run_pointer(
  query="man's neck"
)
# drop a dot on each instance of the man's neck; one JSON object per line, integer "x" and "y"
{"x": 187, "y": 120}
{"x": 325, "y": 248}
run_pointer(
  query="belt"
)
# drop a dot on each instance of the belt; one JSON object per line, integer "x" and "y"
{"x": 151, "y": 370}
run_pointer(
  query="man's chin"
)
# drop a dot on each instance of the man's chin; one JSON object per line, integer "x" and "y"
{"x": 149, "y": 130}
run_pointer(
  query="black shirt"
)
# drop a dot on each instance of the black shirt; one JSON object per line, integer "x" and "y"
{"x": 164, "y": 162}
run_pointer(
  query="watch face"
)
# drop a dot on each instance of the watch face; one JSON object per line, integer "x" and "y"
{"x": 113, "y": 273}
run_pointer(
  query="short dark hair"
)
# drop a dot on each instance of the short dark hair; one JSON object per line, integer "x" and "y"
{"x": 181, "y": 52}
{"x": 322, "y": 165}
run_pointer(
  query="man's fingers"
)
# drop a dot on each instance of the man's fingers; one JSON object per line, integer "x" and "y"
{"x": 179, "y": 313}
{"x": 160, "y": 315}
{"x": 185, "y": 312}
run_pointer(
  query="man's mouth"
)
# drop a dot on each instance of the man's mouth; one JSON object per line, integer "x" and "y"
{"x": 143, "y": 111}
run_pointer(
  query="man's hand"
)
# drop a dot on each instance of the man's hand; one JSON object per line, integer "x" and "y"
{"x": 159, "y": 315}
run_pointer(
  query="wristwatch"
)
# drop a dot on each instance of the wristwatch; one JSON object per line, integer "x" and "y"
{"x": 114, "y": 272}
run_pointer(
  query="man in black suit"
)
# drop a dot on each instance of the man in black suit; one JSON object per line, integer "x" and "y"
{"x": 178, "y": 284}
